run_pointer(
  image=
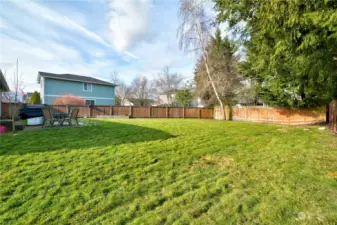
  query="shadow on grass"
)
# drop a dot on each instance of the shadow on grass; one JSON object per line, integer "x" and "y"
{"x": 99, "y": 134}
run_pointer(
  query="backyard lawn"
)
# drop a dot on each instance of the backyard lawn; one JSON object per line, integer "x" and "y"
{"x": 168, "y": 171}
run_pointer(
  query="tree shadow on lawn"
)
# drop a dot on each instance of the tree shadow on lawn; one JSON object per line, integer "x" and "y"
{"x": 100, "y": 134}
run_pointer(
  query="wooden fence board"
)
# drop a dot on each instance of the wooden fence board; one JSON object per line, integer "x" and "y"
{"x": 121, "y": 110}
{"x": 7, "y": 108}
{"x": 276, "y": 115}
{"x": 191, "y": 113}
{"x": 176, "y": 113}
{"x": 207, "y": 113}
{"x": 140, "y": 112}
{"x": 253, "y": 114}
{"x": 158, "y": 112}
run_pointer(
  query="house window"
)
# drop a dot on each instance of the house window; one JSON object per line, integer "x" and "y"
{"x": 90, "y": 102}
{"x": 87, "y": 87}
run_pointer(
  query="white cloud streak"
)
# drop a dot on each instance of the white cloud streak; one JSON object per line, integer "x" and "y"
{"x": 58, "y": 19}
{"x": 128, "y": 20}
{"x": 130, "y": 54}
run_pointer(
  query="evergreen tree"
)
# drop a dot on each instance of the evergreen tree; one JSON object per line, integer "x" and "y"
{"x": 35, "y": 98}
{"x": 291, "y": 48}
{"x": 223, "y": 64}
{"x": 184, "y": 97}
{"x": 118, "y": 101}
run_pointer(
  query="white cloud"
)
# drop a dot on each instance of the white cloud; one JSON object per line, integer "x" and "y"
{"x": 46, "y": 56}
{"x": 128, "y": 20}
{"x": 59, "y": 19}
{"x": 44, "y": 39}
{"x": 130, "y": 54}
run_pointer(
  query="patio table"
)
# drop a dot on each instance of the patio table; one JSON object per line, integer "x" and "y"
{"x": 60, "y": 117}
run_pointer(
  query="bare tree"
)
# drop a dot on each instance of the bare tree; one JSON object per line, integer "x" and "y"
{"x": 194, "y": 33}
{"x": 142, "y": 89}
{"x": 17, "y": 84}
{"x": 114, "y": 77}
{"x": 167, "y": 84}
{"x": 122, "y": 90}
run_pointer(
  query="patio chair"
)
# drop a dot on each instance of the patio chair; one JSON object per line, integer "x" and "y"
{"x": 48, "y": 117}
{"x": 72, "y": 116}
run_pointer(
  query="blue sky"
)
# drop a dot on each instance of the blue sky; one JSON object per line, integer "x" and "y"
{"x": 94, "y": 38}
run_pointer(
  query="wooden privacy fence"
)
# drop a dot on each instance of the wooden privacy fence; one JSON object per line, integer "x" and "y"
{"x": 7, "y": 108}
{"x": 137, "y": 111}
{"x": 333, "y": 116}
{"x": 251, "y": 114}
{"x": 275, "y": 115}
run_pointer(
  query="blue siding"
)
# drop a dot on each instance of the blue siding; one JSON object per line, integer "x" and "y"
{"x": 102, "y": 94}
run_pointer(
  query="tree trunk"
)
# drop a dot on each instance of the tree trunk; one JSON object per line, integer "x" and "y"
{"x": 214, "y": 89}
{"x": 13, "y": 118}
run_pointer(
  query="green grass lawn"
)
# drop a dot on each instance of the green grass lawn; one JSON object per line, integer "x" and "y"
{"x": 159, "y": 171}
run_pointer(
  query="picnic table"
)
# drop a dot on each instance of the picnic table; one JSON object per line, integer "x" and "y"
{"x": 60, "y": 117}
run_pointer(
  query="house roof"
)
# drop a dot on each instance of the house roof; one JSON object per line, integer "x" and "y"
{"x": 3, "y": 83}
{"x": 137, "y": 102}
{"x": 73, "y": 77}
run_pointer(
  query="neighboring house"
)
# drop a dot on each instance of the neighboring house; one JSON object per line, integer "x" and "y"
{"x": 26, "y": 97}
{"x": 137, "y": 102}
{"x": 198, "y": 102}
{"x": 3, "y": 88}
{"x": 10, "y": 97}
{"x": 92, "y": 90}
{"x": 163, "y": 99}
{"x": 249, "y": 101}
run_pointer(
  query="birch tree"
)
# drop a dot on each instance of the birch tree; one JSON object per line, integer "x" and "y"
{"x": 223, "y": 65}
{"x": 194, "y": 35}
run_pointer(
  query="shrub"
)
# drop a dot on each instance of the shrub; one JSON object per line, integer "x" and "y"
{"x": 35, "y": 98}
{"x": 69, "y": 99}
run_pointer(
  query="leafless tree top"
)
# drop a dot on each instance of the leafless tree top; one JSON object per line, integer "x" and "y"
{"x": 167, "y": 82}
{"x": 141, "y": 88}
{"x": 194, "y": 31}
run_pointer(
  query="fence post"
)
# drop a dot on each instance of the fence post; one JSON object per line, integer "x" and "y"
{"x": 131, "y": 111}
{"x": 89, "y": 109}
{"x": 149, "y": 111}
{"x": 199, "y": 113}
{"x": 167, "y": 112}
{"x": 111, "y": 113}
{"x": 184, "y": 112}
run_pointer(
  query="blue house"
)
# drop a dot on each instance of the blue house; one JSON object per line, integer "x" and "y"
{"x": 92, "y": 90}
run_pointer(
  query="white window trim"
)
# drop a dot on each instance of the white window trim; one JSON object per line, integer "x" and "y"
{"x": 89, "y": 90}
{"x": 42, "y": 83}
